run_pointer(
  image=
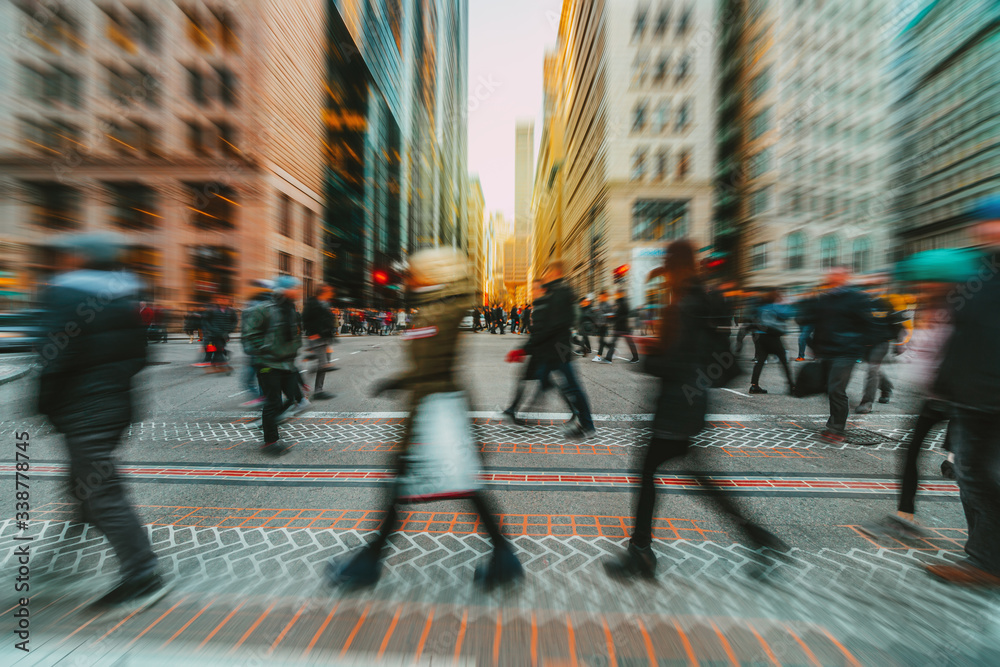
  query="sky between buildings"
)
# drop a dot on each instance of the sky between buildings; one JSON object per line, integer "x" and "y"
{"x": 507, "y": 43}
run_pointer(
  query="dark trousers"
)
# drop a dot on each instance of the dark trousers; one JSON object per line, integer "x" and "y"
{"x": 658, "y": 452}
{"x": 218, "y": 357}
{"x": 932, "y": 413}
{"x": 570, "y": 389}
{"x": 602, "y": 340}
{"x": 319, "y": 348}
{"x": 838, "y": 374}
{"x": 583, "y": 340}
{"x": 628, "y": 340}
{"x": 274, "y": 383}
{"x": 514, "y": 324}
{"x": 765, "y": 345}
{"x": 96, "y": 484}
{"x": 531, "y": 372}
{"x": 875, "y": 377}
{"x": 976, "y": 443}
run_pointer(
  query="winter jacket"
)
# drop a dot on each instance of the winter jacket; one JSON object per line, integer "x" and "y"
{"x": 95, "y": 343}
{"x": 317, "y": 318}
{"x": 771, "y": 319}
{"x": 844, "y": 327}
{"x": 621, "y": 319}
{"x": 192, "y": 321}
{"x": 585, "y": 323}
{"x": 268, "y": 337}
{"x": 218, "y": 322}
{"x": 552, "y": 318}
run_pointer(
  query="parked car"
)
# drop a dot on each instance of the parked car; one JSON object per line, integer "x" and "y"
{"x": 20, "y": 330}
{"x": 467, "y": 321}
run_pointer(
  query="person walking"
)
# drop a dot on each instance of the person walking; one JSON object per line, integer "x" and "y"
{"x": 477, "y": 320}
{"x": 219, "y": 321}
{"x": 585, "y": 325}
{"x": 604, "y": 314}
{"x": 252, "y": 368}
{"x": 401, "y": 320}
{"x": 515, "y": 320}
{"x": 318, "y": 326}
{"x": 192, "y": 324}
{"x": 768, "y": 329}
{"x": 271, "y": 336}
{"x": 501, "y": 318}
{"x": 438, "y": 280}
{"x": 841, "y": 315}
{"x": 682, "y": 352}
{"x": 86, "y": 391}
{"x": 886, "y": 329}
{"x": 526, "y": 319}
{"x": 622, "y": 329}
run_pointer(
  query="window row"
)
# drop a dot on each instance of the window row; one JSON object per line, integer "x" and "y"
{"x": 797, "y": 253}
{"x": 661, "y": 117}
{"x": 663, "y": 72}
{"x": 659, "y": 165}
{"x": 659, "y": 20}
{"x": 128, "y": 137}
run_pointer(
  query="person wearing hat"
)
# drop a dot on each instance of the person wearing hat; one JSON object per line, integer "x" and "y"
{"x": 271, "y": 337}
{"x": 969, "y": 380}
{"x": 439, "y": 285}
{"x": 95, "y": 344}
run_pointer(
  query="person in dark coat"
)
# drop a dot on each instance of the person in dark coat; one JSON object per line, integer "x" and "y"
{"x": 218, "y": 322}
{"x": 620, "y": 324}
{"x": 515, "y": 320}
{"x": 96, "y": 344}
{"x": 477, "y": 320}
{"x": 318, "y": 326}
{"x": 679, "y": 359}
{"x": 192, "y": 324}
{"x": 526, "y": 319}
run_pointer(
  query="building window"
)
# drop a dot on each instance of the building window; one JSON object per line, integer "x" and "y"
{"x": 760, "y": 124}
{"x": 684, "y": 116}
{"x": 661, "y": 164}
{"x": 659, "y": 219}
{"x": 639, "y": 117}
{"x": 662, "y": 117}
{"x": 52, "y": 85}
{"x": 226, "y": 139}
{"x": 760, "y": 201}
{"x": 662, "y": 21}
{"x": 134, "y": 205}
{"x": 197, "y": 86}
{"x": 796, "y": 256}
{"x": 196, "y": 138}
{"x": 284, "y": 264}
{"x": 52, "y": 25}
{"x": 285, "y": 216}
{"x": 662, "y": 67}
{"x": 683, "y": 68}
{"x": 308, "y": 226}
{"x": 213, "y": 205}
{"x": 54, "y": 206}
{"x": 227, "y": 86}
{"x": 640, "y": 69}
{"x": 684, "y": 22}
{"x": 758, "y": 257}
{"x": 307, "y": 277}
{"x": 132, "y": 137}
{"x": 683, "y": 164}
{"x": 227, "y": 30}
{"x": 640, "y": 24}
{"x": 862, "y": 255}
{"x": 760, "y": 163}
{"x": 638, "y": 165}
{"x": 829, "y": 251}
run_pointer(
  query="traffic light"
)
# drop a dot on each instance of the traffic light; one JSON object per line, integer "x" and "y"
{"x": 621, "y": 272}
{"x": 380, "y": 277}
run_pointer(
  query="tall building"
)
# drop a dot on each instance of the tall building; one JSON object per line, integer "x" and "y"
{"x": 517, "y": 249}
{"x": 193, "y": 130}
{"x": 546, "y": 196}
{"x": 497, "y": 230}
{"x": 803, "y": 141}
{"x": 476, "y": 235}
{"x": 948, "y": 91}
{"x": 634, "y": 103}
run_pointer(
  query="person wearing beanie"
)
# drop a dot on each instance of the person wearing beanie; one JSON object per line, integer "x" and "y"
{"x": 271, "y": 337}
{"x": 95, "y": 344}
{"x": 439, "y": 285}
{"x": 969, "y": 381}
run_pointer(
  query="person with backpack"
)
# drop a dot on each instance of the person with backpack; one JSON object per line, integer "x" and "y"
{"x": 768, "y": 329}
{"x": 271, "y": 337}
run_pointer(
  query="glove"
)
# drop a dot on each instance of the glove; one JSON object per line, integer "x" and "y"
{"x": 515, "y": 357}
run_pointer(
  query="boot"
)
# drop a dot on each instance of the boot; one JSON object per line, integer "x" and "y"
{"x": 633, "y": 562}
{"x": 503, "y": 568}
{"x": 362, "y": 570}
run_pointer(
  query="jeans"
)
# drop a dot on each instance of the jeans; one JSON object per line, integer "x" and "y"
{"x": 219, "y": 357}
{"x": 319, "y": 348}
{"x": 602, "y": 342}
{"x": 765, "y": 345}
{"x": 249, "y": 379}
{"x": 976, "y": 443}
{"x": 583, "y": 340}
{"x": 659, "y": 451}
{"x": 932, "y": 413}
{"x": 274, "y": 383}
{"x": 570, "y": 389}
{"x": 875, "y": 376}
{"x": 839, "y": 371}
{"x": 97, "y": 485}
{"x": 805, "y": 333}
{"x": 614, "y": 341}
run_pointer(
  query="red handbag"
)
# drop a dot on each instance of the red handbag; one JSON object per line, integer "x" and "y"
{"x": 210, "y": 348}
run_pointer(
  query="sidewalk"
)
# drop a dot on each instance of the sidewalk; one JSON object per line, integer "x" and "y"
{"x": 11, "y": 372}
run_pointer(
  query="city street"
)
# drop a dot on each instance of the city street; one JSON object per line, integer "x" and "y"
{"x": 245, "y": 537}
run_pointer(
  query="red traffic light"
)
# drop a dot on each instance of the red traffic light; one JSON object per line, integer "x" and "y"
{"x": 622, "y": 270}
{"x": 380, "y": 277}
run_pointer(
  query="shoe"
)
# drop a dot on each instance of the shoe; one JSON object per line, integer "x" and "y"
{"x": 800, "y": 358}
{"x": 634, "y": 361}
{"x": 202, "y": 364}
{"x": 253, "y": 402}
{"x": 764, "y": 539}
{"x": 755, "y": 389}
{"x": 791, "y": 390}
{"x": 360, "y": 571}
{"x": 906, "y": 524}
{"x": 573, "y": 431}
{"x": 597, "y": 359}
{"x": 833, "y": 437}
{"x": 511, "y": 418}
{"x": 256, "y": 423}
{"x": 885, "y": 397}
{"x": 276, "y": 448}
{"x": 578, "y": 353}
{"x": 135, "y": 593}
{"x": 948, "y": 469}
{"x": 863, "y": 409}
{"x": 503, "y": 568}
{"x": 322, "y": 396}
{"x": 633, "y": 562}
{"x": 964, "y": 574}
{"x": 295, "y": 410}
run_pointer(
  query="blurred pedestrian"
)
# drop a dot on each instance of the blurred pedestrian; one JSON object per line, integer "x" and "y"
{"x": 250, "y": 372}
{"x": 621, "y": 329}
{"x": 768, "y": 329}
{"x": 887, "y": 327}
{"x": 585, "y": 325}
{"x": 401, "y": 320}
{"x": 679, "y": 357}
{"x": 438, "y": 455}
{"x": 477, "y": 320}
{"x": 318, "y": 324}
{"x": 526, "y": 319}
{"x": 86, "y": 392}
{"x": 604, "y": 313}
{"x": 192, "y": 324}
{"x": 218, "y": 322}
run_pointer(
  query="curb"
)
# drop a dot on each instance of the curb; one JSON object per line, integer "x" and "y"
{"x": 16, "y": 375}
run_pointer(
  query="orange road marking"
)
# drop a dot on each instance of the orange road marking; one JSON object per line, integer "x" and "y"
{"x": 253, "y": 627}
{"x": 572, "y": 642}
{"x": 284, "y": 631}
{"x": 767, "y": 649}
{"x": 81, "y": 628}
{"x": 220, "y": 625}
{"x": 687, "y": 645}
{"x": 119, "y": 624}
{"x": 354, "y": 632}
{"x": 326, "y": 622}
{"x": 162, "y": 616}
{"x": 388, "y": 633}
{"x": 185, "y": 626}
{"x": 648, "y": 642}
{"x": 847, "y": 654}
{"x": 88, "y": 600}
{"x": 496, "y": 639}
{"x": 534, "y": 641}
{"x": 461, "y": 635}
{"x": 427, "y": 631}
{"x": 808, "y": 651}
{"x": 727, "y": 647}
{"x": 613, "y": 661}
